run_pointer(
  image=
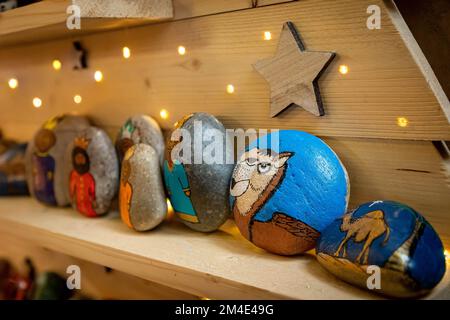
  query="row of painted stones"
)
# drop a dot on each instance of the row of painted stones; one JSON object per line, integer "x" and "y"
{"x": 288, "y": 193}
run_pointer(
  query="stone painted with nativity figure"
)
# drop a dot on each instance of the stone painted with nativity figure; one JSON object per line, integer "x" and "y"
{"x": 140, "y": 129}
{"x": 93, "y": 172}
{"x": 142, "y": 199}
{"x": 197, "y": 173}
{"x": 46, "y": 156}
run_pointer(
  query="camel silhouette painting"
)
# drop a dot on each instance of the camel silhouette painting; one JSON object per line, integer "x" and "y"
{"x": 256, "y": 177}
{"x": 363, "y": 230}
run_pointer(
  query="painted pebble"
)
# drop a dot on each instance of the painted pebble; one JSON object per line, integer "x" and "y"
{"x": 196, "y": 183}
{"x": 94, "y": 172}
{"x": 390, "y": 235}
{"x": 142, "y": 200}
{"x": 45, "y": 158}
{"x": 286, "y": 188}
{"x": 140, "y": 129}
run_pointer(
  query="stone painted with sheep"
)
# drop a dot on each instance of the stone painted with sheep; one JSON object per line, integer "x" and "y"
{"x": 384, "y": 240}
{"x": 285, "y": 189}
{"x": 196, "y": 172}
{"x": 46, "y": 156}
{"x": 93, "y": 172}
{"x": 142, "y": 201}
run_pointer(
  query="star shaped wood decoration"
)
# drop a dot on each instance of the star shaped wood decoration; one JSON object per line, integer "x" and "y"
{"x": 293, "y": 73}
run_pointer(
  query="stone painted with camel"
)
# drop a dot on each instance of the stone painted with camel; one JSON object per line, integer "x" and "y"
{"x": 285, "y": 189}
{"x": 198, "y": 190}
{"x": 142, "y": 201}
{"x": 46, "y": 156}
{"x": 92, "y": 169}
{"x": 390, "y": 235}
{"x": 140, "y": 129}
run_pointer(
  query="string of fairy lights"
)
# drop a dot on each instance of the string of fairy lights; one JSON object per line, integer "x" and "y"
{"x": 98, "y": 76}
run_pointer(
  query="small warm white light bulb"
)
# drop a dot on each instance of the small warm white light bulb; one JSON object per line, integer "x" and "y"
{"x": 164, "y": 114}
{"x": 37, "y": 102}
{"x": 13, "y": 83}
{"x": 267, "y": 35}
{"x": 126, "y": 52}
{"x": 343, "y": 69}
{"x": 402, "y": 122}
{"x": 181, "y": 50}
{"x": 98, "y": 76}
{"x": 77, "y": 99}
{"x": 57, "y": 65}
{"x": 230, "y": 88}
{"x": 446, "y": 254}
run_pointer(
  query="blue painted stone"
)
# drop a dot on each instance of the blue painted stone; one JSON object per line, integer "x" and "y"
{"x": 390, "y": 235}
{"x": 286, "y": 188}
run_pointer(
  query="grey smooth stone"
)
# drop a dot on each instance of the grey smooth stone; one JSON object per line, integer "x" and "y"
{"x": 140, "y": 129}
{"x": 142, "y": 201}
{"x": 208, "y": 183}
{"x": 64, "y": 128}
{"x": 103, "y": 169}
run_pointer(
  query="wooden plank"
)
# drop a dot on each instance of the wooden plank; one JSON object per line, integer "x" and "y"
{"x": 418, "y": 56}
{"x": 197, "y": 8}
{"x": 428, "y": 22}
{"x": 406, "y": 171}
{"x": 46, "y": 20}
{"x": 96, "y": 281}
{"x": 155, "y": 9}
{"x": 218, "y": 265}
{"x": 33, "y": 16}
{"x": 383, "y": 84}
{"x": 221, "y": 265}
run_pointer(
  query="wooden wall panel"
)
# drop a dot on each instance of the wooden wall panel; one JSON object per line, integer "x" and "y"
{"x": 196, "y": 8}
{"x": 406, "y": 171}
{"x": 384, "y": 82}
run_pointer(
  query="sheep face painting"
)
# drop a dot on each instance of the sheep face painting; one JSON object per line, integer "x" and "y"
{"x": 257, "y": 175}
{"x": 253, "y": 176}
{"x": 285, "y": 189}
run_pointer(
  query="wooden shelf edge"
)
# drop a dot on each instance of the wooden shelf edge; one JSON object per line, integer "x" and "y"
{"x": 220, "y": 265}
{"x": 46, "y": 20}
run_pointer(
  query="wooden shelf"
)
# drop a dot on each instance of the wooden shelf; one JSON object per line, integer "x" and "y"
{"x": 220, "y": 265}
{"x": 46, "y": 20}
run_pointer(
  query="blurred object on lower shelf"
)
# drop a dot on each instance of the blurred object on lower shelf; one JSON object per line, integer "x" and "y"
{"x": 51, "y": 286}
{"x": 48, "y": 285}
{"x": 5, "y": 270}
{"x": 12, "y": 168}
{"x": 14, "y": 285}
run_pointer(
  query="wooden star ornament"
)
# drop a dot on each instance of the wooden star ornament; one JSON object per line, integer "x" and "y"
{"x": 293, "y": 73}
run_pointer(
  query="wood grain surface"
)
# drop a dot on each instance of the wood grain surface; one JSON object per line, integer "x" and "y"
{"x": 383, "y": 84}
